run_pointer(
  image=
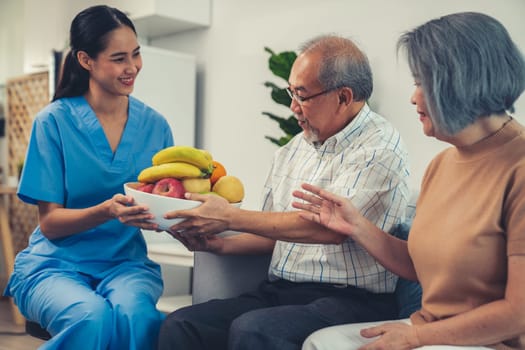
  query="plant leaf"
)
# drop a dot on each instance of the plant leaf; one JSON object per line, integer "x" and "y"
{"x": 273, "y": 140}
{"x": 285, "y": 139}
{"x": 280, "y": 64}
{"x": 281, "y": 97}
{"x": 278, "y": 94}
{"x": 270, "y": 51}
{"x": 271, "y": 85}
{"x": 281, "y": 141}
{"x": 291, "y": 126}
{"x": 288, "y": 125}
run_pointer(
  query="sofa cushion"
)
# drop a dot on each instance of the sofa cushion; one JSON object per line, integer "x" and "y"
{"x": 408, "y": 293}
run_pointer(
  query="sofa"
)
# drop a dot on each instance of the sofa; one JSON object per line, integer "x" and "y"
{"x": 224, "y": 276}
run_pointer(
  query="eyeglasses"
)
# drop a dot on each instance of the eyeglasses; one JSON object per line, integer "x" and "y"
{"x": 301, "y": 99}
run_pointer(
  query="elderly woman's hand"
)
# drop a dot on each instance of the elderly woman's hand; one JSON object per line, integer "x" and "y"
{"x": 330, "y": 210}
{"x": 392, "y": 336}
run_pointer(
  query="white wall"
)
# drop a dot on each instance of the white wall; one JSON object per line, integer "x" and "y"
{"x": 233, "y": 67}
{"x": 11, "y": 38}
{"x": 11, "y": 59}
{"x": 232, "y": 64}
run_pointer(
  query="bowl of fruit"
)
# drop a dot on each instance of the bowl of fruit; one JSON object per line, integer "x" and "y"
{"x": 176, "y": 170}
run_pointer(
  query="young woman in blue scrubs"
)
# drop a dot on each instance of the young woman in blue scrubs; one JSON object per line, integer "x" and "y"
{"x": 85, "y": 275}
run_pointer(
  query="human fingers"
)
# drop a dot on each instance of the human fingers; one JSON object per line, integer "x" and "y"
{"x": 197, "y": 227}
{"x": 208, "y": 200}
{"x": 183, "y": 225}
{"x": 310, "y": 198}
{"x": 194, "y": 242}
{"x": 306, "y": 206}
{"x": 121, "y": 206}
{"x": 383, "y": 328}
{"x": 190, "y": 231}
{"x": 184, "y": 213}
{"x": 311, "y": 188}
{"x": 198, "y": 196}
{"x": 371, "y": 332}
{"x": 323, "y": 194}
{"x": 191, "y": 242}
{"x": 178, "y": 236}
{"x": 145, "y": 225}
{"x": 134, "y": 213}
{"x": 314, "y": 217}
{"x": 141, "y": 219}
{"x": 123, "y": 199}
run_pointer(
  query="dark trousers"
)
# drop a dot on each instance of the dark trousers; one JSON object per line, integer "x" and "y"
{"x": 279, "y": 315}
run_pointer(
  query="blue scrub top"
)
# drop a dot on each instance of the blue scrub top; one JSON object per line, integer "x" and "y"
{"x": 70, "y": 162}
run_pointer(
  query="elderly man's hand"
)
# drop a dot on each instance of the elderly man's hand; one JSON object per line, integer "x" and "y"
{"x": 208, "y": 243}
{"x": 211, "y": 217}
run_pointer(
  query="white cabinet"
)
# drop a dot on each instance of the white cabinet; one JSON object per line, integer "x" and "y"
{"x": 168, "y": 252}
{"x": 156, "y": 18}
{"x": 167, "y": 82}
{"x": 45, "y": 24}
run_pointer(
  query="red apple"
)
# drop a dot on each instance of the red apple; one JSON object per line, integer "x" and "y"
{"x": 169, "y": 187}
{"x": 146, "y": 187}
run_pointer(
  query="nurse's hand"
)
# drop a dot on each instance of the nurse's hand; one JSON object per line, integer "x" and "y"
{"x": 123, "y": 208}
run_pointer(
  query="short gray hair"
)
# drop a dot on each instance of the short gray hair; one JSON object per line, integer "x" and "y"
{"x": 342, "y": 64}
{"x": 468, "y": 67}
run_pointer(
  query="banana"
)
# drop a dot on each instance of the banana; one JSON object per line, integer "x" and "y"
{"x": 178, "y": 170}
{"x": 200, "y": 158}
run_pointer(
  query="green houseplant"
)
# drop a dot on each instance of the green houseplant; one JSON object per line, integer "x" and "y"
{"x": 280, "y": 65}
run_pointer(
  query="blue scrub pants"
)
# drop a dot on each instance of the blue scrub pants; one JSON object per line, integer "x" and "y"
{"x": 279, "y": 315}
{"x": 115, "y": 310}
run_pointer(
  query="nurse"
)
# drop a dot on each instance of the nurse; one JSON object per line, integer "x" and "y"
{"x": 85, "y": 275}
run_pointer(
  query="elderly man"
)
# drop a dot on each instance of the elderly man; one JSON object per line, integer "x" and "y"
{"x": 317, "y": 277}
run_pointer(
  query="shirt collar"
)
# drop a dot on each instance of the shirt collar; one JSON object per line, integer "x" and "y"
{"x": 345, "y": 136}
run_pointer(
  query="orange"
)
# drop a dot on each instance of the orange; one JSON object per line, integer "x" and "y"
{"x": 218, "y": 171}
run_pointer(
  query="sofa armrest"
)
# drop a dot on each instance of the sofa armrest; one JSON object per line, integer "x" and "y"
{"x": 225, "y": 276}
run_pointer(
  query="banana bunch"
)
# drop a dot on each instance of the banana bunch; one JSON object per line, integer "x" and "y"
{"x": 180, "y": 162}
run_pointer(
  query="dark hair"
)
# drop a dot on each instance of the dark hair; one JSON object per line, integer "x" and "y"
{"x": 342, "y": 64}
{"x": 468, "y": 67}
{"x": 89, "y": 32}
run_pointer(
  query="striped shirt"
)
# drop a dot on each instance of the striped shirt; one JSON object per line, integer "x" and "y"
{"x": 366, "y": 162}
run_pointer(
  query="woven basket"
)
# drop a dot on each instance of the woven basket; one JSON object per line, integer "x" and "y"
{"x": 26, "y": 96}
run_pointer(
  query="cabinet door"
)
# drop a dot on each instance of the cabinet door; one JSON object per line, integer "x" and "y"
{"x": 167, "y": 83}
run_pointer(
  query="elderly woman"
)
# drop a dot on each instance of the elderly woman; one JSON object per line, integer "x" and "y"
{"x": 467, "y": 242}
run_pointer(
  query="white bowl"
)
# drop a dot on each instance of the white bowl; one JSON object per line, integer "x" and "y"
{"x": 159, "y": 205}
